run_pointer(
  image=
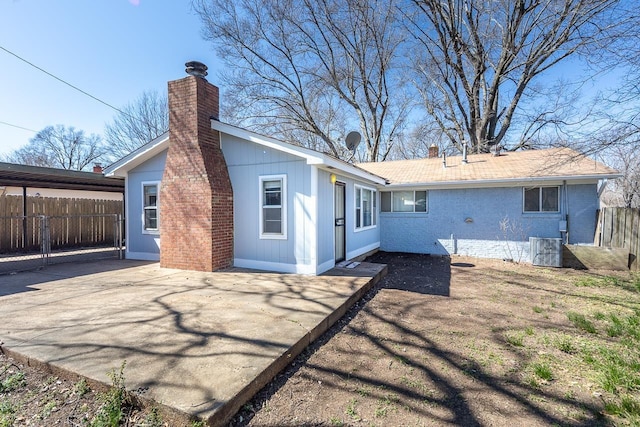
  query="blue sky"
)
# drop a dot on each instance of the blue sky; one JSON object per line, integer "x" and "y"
{"x": 112, "y": 49}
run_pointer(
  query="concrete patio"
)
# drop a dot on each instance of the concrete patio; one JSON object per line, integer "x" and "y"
{"x": 198, "y": 344}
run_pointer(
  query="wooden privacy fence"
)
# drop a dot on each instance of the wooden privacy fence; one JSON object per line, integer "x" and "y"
{"x": 69, "y": 223}
{"x": 620, "y": 228}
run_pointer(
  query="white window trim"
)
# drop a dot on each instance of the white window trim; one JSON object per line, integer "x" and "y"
{"x": 355, "y": 221}
{"x": 152, "y": 231}
{"x": 540, "y": 211}
{"x": 414, "y": 201}
{"x": 283, "y": 207}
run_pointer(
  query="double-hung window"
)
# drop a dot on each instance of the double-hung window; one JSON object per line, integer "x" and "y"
{"x": 273, "y": 207}
{"x": 541, "y": 199}
{"x": 150, "y": 207}
{"x": 403, "y": 201}
{"x": 366, "y": 207}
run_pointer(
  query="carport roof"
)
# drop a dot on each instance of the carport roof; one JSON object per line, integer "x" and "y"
{"x": 13, "y": 175}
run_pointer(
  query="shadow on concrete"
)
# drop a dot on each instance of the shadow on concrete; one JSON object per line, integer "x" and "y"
{"x": 28, "y": 281}
{"x": 201, "y": 343}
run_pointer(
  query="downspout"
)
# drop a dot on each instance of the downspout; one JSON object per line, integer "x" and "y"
{"x": 601, "y": 189}
{"x": 565, "y": 197}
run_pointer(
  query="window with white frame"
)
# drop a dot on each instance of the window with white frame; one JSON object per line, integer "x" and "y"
{"x": 273, "y": 207}
{"x": 150, "y": 207}
{"x": 403, "y": 201}
{"x": 366, "y": 207}
{"x": 541, "y": 199}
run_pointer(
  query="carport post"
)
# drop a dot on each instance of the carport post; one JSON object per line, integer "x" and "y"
{"x": 24, "y": 217}
{"x": 45, "y": 239}
{"x": 119, "y": 237}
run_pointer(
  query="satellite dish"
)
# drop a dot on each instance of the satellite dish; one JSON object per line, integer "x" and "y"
{"x": 352, "y": 140}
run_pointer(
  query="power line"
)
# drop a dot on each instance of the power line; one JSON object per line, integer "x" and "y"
{"x": 16, "y": 126}
{"x": 63, "y": 81}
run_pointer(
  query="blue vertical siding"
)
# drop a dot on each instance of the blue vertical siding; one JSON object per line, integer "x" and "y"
{"x": 139, "y": 245}
{"x": 248, "y": 161}
{"x": 326, "y": 215}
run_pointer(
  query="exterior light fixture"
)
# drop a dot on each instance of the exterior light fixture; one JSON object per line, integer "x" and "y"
{"x": 333, "y": 178}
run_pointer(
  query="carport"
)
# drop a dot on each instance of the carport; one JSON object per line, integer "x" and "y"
{"x": 15, "y": 224}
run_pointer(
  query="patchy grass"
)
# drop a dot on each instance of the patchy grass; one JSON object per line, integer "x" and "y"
{"x": 580, "y": 321}
{"x": 516, "y": 339}
{"x": 543, "y": 371}
{"x": 113, "y": 401}
{"x": 33, "y": 397}
{"x": 555, "y": 346}
{"x": 13, "y": 381}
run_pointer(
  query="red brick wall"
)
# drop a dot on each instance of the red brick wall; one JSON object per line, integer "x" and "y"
{"x": 196, "y": 198}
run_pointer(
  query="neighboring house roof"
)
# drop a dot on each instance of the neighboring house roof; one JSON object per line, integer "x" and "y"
{"x": 312, "y": 157}
{"x": 13, "y": 175}
{"x": 556, "y": 164}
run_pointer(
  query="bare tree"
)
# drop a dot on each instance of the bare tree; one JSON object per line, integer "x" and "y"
{"x": 624, "y": 191}
{"x": 480, "y": 58}
{"x": 139, "y": 122}
{"x": 60, "y": 147}
{"x": 296, "y": 65}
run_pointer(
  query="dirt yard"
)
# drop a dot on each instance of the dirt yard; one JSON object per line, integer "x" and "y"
{"x": 440, "y": 341}
{"x": 470, "y": 342}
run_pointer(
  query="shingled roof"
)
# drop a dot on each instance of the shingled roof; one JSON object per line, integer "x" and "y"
{"x": 531, "y": 165}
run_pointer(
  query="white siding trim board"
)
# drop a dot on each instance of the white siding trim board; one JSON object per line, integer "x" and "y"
{"x": 363, "y": 250}
{"x": 279, "y": 267}
{"x": 143, "y": 256}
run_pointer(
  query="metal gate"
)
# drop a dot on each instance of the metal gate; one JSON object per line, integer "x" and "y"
{"x": 30, "y": 242}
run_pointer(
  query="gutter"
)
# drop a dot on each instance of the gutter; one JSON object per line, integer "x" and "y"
{"x": 502, "y": 182}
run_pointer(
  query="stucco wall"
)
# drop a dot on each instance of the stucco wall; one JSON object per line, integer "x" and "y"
{"x": 468, "y": 222}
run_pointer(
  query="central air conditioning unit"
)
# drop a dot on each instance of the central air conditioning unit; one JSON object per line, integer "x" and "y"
{"x": 546, "y": 252}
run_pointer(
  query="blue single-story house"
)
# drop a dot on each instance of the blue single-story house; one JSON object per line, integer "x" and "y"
{"x": 489, "y": 205}
{"x": 208, "y": 195}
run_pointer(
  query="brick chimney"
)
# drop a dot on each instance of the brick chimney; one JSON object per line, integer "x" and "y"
{"x": 196, "y": 198}
{"x": 433, "y": 151}
{"x": 97, "y": 168}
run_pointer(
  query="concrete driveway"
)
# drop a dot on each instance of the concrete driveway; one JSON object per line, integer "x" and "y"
{"x": 199, "y": 344}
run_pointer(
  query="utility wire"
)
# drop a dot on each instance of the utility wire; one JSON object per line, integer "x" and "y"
{"x": 63, "y": 81}
{"x": 16, "y": 126}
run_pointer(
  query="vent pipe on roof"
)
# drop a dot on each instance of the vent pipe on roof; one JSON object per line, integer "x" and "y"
{"x": 464, "y": 153}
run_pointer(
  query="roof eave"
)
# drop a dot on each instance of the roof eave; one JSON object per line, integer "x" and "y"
{"x": 137, "y": 157}
{"x": 312, "y": 157}
{"x": 505, "y": 181}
